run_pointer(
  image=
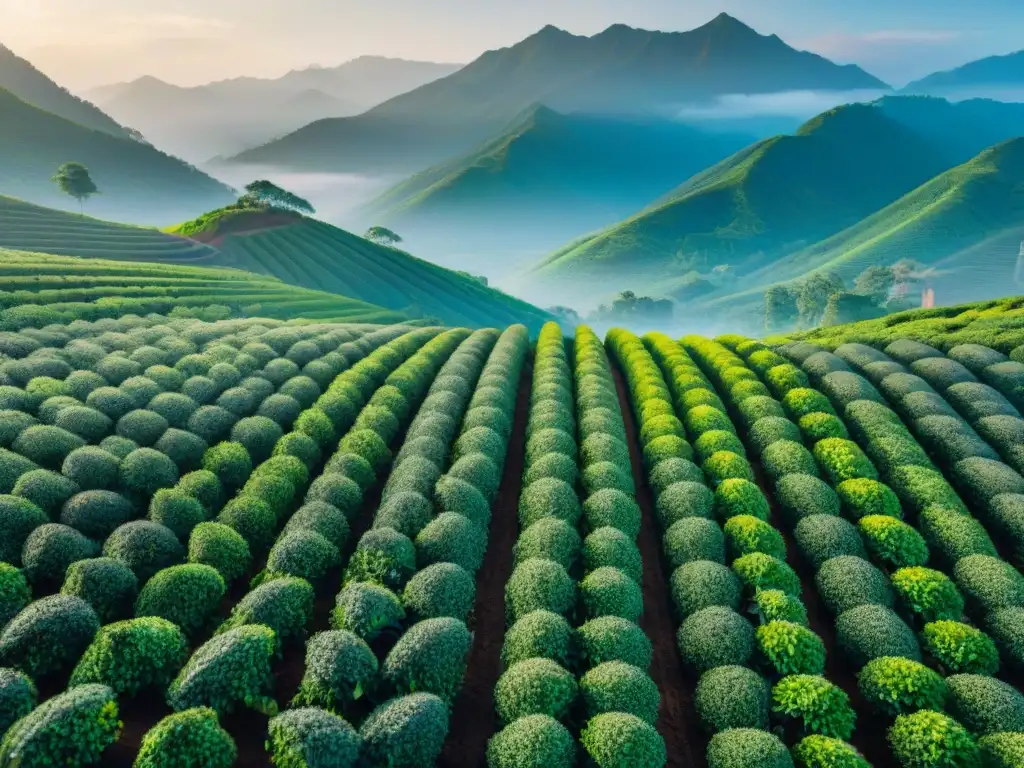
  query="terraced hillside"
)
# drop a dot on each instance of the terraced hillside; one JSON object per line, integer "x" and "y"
{"x": 251, "y": 542}
{"x": 300, "y": 252}
{"x": 37, "y": 289}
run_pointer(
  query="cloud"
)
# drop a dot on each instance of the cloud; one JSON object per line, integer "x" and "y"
{"x": 842, "y": 44}
{"x": 798, "y": 104}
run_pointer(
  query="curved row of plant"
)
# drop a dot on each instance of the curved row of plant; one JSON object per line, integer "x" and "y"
{"x": 576, "y": 564}
{"x": 725, "y": 555}
{"x": 967, "y": 427}
{"x": 148, "y": 650}
{"x": 891, "y": 678}
{"x": 416, "y": 608}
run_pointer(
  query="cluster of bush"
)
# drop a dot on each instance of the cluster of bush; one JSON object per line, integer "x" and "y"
{"x": 575, "y": 564}
{"x": 150, "y": 602}
{"x": 728, "y": 562}
{"x": 838, "y": 530}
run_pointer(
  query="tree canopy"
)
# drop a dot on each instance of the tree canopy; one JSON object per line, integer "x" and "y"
{"x": 382, "y": 236}
{"x": 74, "y": 180}
{"x": 263, "y": 192}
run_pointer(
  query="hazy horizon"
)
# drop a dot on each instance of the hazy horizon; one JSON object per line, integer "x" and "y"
{"x": 87, "y": 43}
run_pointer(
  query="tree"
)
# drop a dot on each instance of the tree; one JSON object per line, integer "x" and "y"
{"x": 850, "y": 308}
{"x": 875, "y": 283}
{"x": 263, "y": 192}
{"x": 73, "y": 179}
{"x": 780, "y": 310}
{"x": 382, "y": 236}
{"x": 814, "y": 295}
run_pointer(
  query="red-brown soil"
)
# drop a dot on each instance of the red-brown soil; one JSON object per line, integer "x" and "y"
{"x": 474, "y": 720}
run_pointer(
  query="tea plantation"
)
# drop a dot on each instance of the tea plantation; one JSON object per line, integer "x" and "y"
{"x": 262, "y": 541}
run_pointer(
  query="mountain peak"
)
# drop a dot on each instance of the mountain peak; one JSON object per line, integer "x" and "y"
{"x": 725, "y": 21}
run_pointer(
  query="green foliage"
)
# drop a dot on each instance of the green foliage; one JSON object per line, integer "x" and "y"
{"x": 684, "y": 499}
{"x": 760, "y": 571}
{"x": 702, "y": 583}
{"x": 176, "y": 510}
{"x": 929, "y": 739}
{"x": 691, "y": 539}
{"x": 740, "y": 497}
{"x": 284, "y": 604}
{"x": 953, "y": 536}
{"x": 204, "y": 486}
{"x": 745, "y": 534}
{"x": 451, "y": 538}
{"x": 217, "y": 545}
{"x": 46, "y": 446}
{"x": 896, "y": 685}
{"x": 871, "y": 631}
{"x": 132, "y": 655}
{"x": 747, "y": 748}
{"x": 253, "y": 519}
{"x": 845, "y": 582}
{"x": 405, "y": 732}
{"x": 14, "y": 592}
{"x": 532, "y": 740}
{"x": 50, "y": 549}
{"x": 714, "y": 637}
{"x": 803, "y": 495}
{"x": 229, "y": 670}
{"x": 72, "y": 728}
{"x": 732, "y": 697}
{"x": 791, "y": 649}
{"x": 553, "y": 539}
{"x": 823, "y": 537}
{"x": 612, "y": 507}
{"x": 776, "y": 605}
{"x": 1007, "y": 629}
{"x": 539, "y": 584}
{"x": 366, "y": 610}
{"x": 312, "y": 738}
{"x": 1002, "y": 750}
{"x": 618, "y": 740}
{"x": 538, "y": 634}
{"x": 17, "y": 697}
{"x": 91, "y": 468}
{"x": 610, "y": 638}
{"x": 108, "y": 585}
{"x": 145, "y": 547}
{"x": 816, "y": 751}
{"x": 989, "y": 583}
{"x": 48, "y": 635}
{"x": 189, "y": 738}
{"x": 230, "y": 462}
{"x": 960, "y": 648}
{"x": 787, "y": 457}
{"x": 928, "y": 593}
{"x": 339, "y": 668}
{"x": 816, "y": 704}
{"x": 187, "y": 595}
{"x": 536, "y": 686}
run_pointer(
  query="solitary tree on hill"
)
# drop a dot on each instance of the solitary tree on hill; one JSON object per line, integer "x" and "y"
{"x": 382, "y": 236}
{"x": 263, "y": 192}
{"x": 73, "y": 179}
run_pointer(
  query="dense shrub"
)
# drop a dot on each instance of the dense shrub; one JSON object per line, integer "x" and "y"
{"x": 220, "y": 547}
{"x": 732, "y": 697}
{"x": 532, "y": 740}
{"x": 189, "y": 738}
{"x": 232, "y": 668}
{"x": 790, "y": 648}
{"x": 91, "y": 468}
{"x": 536, "y": 686}
{"x": 132, "y": 655}
{"x": 896, "y": 685}
{"x": 383, "y": 555}
{"x": 928, "y": 593}
{"x": 745, "y": 534}
{"x": 776, "y": 605}
{"x": 960, "y": 648}
{"x": 539, "y": 584}
{"x": 1002, "y": 750}
{"x": 46, "y": 446}
{"x": 142, "y": 426}
{"x": 989, "y": 583}
{"x": 823, "y": 537}
{"x": 618, "y": 739}
{"x": 952, "y": 536}
{"x": 12, "y": 467}
{"x": 539, "y": 634}
{"x": 552, "y": 539}
{"x": 366, "y": 609}
{"x": 771, "y": 430}
{"x": 72, "y": 728}
{"x": 187, "y": 595}
{"x": 48, "y": 552}
{"x": 252, "y": 518}
{"x": 845, "y": 582}
{"x": 17, "y": 697}
{"x": 684, "y": 499}
{"x": 694, "y": 538}
{"x": 758, "y": 571}
{"x": 405, "y": 732}
{"x": 803, "y": 495}
{"x": 108, "y": 585}
{"x": 145, "y": 471}
{"x": 303, "y": 553}
{"x": 18, "y": 518}
{"x": 816, "y": 751}
{"x": 284, "y": 604}
{"x": 740, "y": 497}
{"x": 701, "y": 584}
{"x": 548, "y": 497}
{"x": 610, "y": 592}
{"x": 815, "y": 704}
{"x": 431, "y": 656}
{"x": 868, "y": 632}
{"x": 367, "y": 444}
{"x": 715, "y": 637}
{"x": 747, "y": 748}
{"x": 442, "y": 589}
{"x": 14, "y": 592}
{"x": 48, "y": 634}
{"x": 145, "y": 547}
{"x": 118, "y": 446}
{"x": 786, "y": 457}
{"x": 929, "y": 739}
{"x": 892, "y": 542}
{"x": 312, "y": 738}
{"x": 612, "y": 507}
{"x": 338, "y": 664}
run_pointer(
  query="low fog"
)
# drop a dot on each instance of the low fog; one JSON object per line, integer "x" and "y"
{"x": 801, "y": 105}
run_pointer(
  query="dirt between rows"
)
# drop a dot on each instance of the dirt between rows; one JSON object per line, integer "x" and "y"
{"x": 677, "y": 722}
{"x": 474, "y": 719}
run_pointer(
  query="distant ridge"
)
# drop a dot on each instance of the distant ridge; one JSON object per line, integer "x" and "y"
{"x": 621, "y": 70}
{"x": 992, "y": 72}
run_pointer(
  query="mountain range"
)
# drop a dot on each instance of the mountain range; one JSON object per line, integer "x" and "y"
{"x": 543, "y": 180}
{"x": 781, "y": 196}
{"x": 137, "y": 182}
{"x": 622, "y": 70}
{"x": 229, "y": 116}
{"x": 993, "y": 77}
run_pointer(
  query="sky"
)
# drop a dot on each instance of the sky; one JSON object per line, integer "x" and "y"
{"x": 85, "y": 43}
